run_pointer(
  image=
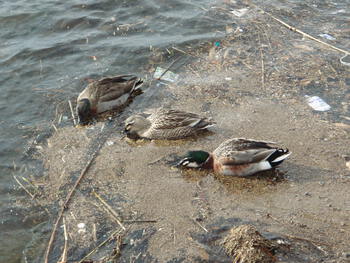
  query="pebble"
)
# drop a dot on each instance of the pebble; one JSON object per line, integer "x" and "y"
{"x": 307, "y": 194}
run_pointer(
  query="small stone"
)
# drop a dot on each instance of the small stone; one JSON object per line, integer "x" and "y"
{"x": 329, "y": 205}
{"x": 307, "y": 194}
{"x": 346, "y": 254}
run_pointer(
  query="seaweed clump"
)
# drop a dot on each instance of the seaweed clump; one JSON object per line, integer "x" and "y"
{"x": 245, "y": 244}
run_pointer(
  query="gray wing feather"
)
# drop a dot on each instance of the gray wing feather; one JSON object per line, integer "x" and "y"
{"x": 243, "y": 151}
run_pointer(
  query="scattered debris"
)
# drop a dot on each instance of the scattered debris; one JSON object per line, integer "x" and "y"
{"x": 168, "y": 76}
{"x": 109, "y": 143}
{"x": 239, "y": 12}
{"x": 326, "y": 36}
{"x": 317, "y": 103}
{"x": 345, "y": 60}
{"x": 245, "y": 244}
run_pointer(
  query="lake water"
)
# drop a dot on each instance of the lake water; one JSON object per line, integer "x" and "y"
{"x": 49, "y": 48}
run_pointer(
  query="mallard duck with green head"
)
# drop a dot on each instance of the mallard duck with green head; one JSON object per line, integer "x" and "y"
{"x": 166, "y": 124}
{"x": 237, "y": 157}
{"x": 104, "y": 95}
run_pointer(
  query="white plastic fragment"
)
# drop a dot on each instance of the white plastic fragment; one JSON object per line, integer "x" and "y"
{"x": 168, "y": 76}
{"x": 317, "y": 103}
{"x": 228, "y": 78}
{"x": 326, "y": 36}
{"x": 239, "y": 12}
{"x": 345, "y": 60}
{"x": 109, "y": 143}
{"x": 81, "y": 227}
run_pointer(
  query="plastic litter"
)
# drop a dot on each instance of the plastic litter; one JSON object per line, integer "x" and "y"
{"x": 240, "y": 12}
{"x": 168, "y": 76}
{"x": 109, "y": 143}
{"x": 326, "y": 36}
{"x": 345, "y": 60}
{"x": 81, "y": 227}
{"x": 317, "y": 103}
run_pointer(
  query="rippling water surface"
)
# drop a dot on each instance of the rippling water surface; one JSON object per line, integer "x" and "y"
{"x": 49, "y": 47}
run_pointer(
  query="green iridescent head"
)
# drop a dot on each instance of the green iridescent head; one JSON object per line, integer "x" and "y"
{"x": 194, "y": 159}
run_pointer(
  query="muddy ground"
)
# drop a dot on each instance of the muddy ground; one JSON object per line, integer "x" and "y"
{"x": 252, "y": 82}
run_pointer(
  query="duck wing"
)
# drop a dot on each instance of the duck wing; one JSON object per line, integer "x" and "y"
{"x": 114, "y": 87}
{"x": 243, "y": 151}
{"x": 170, "y": 119}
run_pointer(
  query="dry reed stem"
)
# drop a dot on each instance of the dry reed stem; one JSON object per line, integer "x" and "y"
{"x": 294, "y": 29}
{"x": 65, "y": 205}
{"x": 64, "y": 253}
{"x": 167, "y": 69}
{"x": 262, "y": 64}
{"x": 72, "y": 112}
{"x": 197, "y": 223}
{"x": 100, "y": 245}
{"x": 23, "y": 187}
{"x": 109, "y": 209}
{"x": 31, "y": 195}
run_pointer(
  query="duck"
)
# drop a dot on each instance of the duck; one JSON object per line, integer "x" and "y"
{"x": 166, "y": 124}
{"x": 105, "y": 94}
{"x": 237, "y": 157}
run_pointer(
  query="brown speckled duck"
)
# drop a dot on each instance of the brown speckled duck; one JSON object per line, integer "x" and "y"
{"x": 166, "y": 124}
{"x": 237, "y": 157}
{"x": 104, "y": 95}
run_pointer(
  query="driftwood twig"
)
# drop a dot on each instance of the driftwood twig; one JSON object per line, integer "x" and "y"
{"x": 294, "y": 29}
{"x": 68, "y": 198}
{"x": 109, "y": 209}
{"x": 169, "y": 67}
{"x": 100, "y": 245}
{"x": 72, "y": 112}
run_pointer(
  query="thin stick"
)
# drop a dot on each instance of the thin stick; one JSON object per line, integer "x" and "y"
{"x": 100, "y": 245}
{"x": 301, "y": 32}
{"x": 262, "y": 65}
{"x": 110, "y": 209}
{"x": 165, "y": 71}
{"x": 24, "y": 188}
{"x": 200, "y": 225}
{"x": 140, "y": 221}
{"x": 72, "y": 112}
{"x": 64, "y": 253}
{"x": 65, "y": 205}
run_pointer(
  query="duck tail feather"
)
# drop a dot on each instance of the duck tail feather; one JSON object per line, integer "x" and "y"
{"x": 278, "y": 156}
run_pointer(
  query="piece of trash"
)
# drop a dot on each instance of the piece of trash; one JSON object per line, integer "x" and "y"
{"x": 109, "y": 143}
{"x": 317, "y": 103}
{"x": 345, "y": 60}
{"x": 240, "y": 12}
{"x": 348, "y": 164}
{"x": 168, "y": 76}
{"x": 228, "y": 78}
{"x": 217, "y": 44}
{"x": 81, "y": 227}
{"x": 326, "y": 36}
{"x": 93, "y": 58}
{"x": 64, "y": 118}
